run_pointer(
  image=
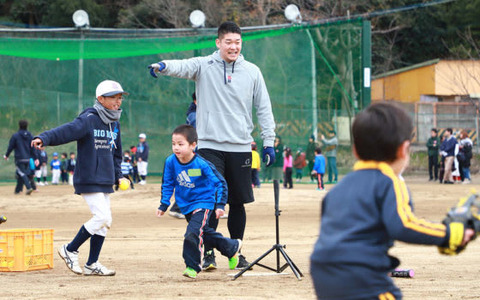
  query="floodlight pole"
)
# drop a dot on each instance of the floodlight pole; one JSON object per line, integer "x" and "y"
{"x": 80, "y": 72}
{"x": 314, "y": 86}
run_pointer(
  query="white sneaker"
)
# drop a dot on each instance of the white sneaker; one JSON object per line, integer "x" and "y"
{"x": 45, "y": 183}
{"x": 176, "y": 215}
{"x": 40, "y": 183}
{"x": 142, "y": 182}
{"x": 98, "y": 269}
{"x": 71, "y": 259}
{"x": 466, "y": 181}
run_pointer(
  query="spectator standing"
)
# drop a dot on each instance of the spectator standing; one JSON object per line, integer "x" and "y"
{"x": 42, "y": 172}
{"x": 63, "y": 168}
{"x": 310, "y": 155}
{"x": 465, "y": 156}
{"x": 142, "y": 158}
{"x": 319, "y": 168}
{"x": 55, "y": 164}
{"x": 20, "y": 144}
{"x": 133, "y": 156}
{"x": 192, "y": 112}
{"x": 331, "y": 145}
{"x": 255, "y": 166}
{"x": 299, "y": 163}
{"x": 277, "y": 167}
{"x": 288, "y": 168}
{"x": 71, "y": 162}
{"x": 448, "y": 152}
{"x": 433, "y": 145}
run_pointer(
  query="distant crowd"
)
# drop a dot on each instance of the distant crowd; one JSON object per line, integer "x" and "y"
{"x": 455, "y": 157}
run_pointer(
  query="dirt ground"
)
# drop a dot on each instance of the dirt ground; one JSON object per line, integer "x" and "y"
{"x": 146, "y": 251}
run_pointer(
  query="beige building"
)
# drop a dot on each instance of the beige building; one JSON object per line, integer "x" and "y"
{"x": 430, "y": 81}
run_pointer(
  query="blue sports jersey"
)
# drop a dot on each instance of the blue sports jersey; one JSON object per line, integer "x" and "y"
{"x": 55, "y": 164}
{"x": 362, "y": 216}
{"x": 197, "y": 184}
{"x": 319, "y": 165}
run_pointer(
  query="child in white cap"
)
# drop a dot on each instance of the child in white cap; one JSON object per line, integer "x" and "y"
{"x": 142, "y": 158}
{"x": 99, "y": 147}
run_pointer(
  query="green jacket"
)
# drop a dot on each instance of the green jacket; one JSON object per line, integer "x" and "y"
{"x": 310, "y": 153}
{"x": 278, "y": 156}
{"x": 433, "y": 145}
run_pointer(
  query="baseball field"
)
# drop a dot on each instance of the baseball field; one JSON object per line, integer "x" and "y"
{"x": 146, "y": 251}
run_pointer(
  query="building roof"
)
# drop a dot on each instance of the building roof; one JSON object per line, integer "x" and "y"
{"x": 409, "y": 68}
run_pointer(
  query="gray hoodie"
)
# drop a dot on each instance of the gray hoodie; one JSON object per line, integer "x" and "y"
{"x": 226, "y": 94}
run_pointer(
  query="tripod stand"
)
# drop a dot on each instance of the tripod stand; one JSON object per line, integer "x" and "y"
{"x": 278, "y": 247}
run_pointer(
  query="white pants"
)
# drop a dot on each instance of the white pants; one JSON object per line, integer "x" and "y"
{"x": 55, "y": 175}
{"x": 142, "y": 168}
{"x": 99, "y": 204}
{"x": 43, "y": 172}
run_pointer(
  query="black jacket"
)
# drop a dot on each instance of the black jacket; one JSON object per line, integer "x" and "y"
{"x": 20, "y": 142}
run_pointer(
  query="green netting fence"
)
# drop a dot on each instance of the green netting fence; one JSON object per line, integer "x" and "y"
{"x": 316, "y": 77}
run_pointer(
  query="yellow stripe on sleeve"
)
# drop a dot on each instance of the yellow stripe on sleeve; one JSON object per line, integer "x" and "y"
{"x": 409, "y": 220}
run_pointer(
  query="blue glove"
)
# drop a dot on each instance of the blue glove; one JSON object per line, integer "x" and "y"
{"x": 158, "y": 67}
{"x": 268, "y": 155}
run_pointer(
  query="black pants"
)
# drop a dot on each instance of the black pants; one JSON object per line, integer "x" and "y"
{"x": 237, "y": 169}
{"x": 22, "y": 172}
{"x": 287, "y": 179}
{"x": 433, "y": 166}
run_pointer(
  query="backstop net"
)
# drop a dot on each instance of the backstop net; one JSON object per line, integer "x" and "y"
{"x": 314, "y": 74}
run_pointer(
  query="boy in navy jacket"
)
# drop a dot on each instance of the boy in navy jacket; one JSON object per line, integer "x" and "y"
{"x": 369, "y": 209}
{"x": 199, "y": 190}
{"x": 99, "y": 148}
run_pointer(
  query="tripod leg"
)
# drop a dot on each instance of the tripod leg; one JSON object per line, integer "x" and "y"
{"x": 292, "y": 265}
{"x": 253, "y": 263}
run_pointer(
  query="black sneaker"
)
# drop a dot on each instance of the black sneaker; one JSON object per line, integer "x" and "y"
{"x": 209, "y": 263}
{"x": 242, "y": 263}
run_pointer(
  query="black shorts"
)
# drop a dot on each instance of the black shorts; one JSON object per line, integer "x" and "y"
{"x": 236, "y": 167}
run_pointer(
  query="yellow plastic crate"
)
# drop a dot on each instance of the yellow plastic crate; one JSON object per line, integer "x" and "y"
{"x": 26, "y": 249}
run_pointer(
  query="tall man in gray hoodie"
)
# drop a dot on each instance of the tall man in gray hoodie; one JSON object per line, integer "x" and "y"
{"x": 227, "y": 89}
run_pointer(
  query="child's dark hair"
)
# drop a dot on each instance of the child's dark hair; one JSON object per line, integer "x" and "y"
{"x": 228, "y": 27}
{"x": 64, "y": 154}
{"x": 72, "y": 153}
{"x": 449, "y": 130}
{"x": 288, "y": 152}
{"x": 435, "y": 130}
{"x": 23, "y": 124}
{"x": 187, "y": 131}
{"x": 318, "y": 150}
{"x": 379, "y": 130}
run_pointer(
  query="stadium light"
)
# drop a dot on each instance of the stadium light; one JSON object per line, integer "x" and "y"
{"x": 292, "y": 13}
{"x": 80, "y": 18}
{"x": 197, "y": 18}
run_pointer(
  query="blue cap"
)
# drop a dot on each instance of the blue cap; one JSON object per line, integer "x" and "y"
{"x": 55, "y": 154}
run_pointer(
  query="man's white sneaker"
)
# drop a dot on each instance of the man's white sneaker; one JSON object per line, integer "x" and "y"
{"x": 142, "y": 182}
{"x": 71, "y": 259}
{"x": 98, "y": 269}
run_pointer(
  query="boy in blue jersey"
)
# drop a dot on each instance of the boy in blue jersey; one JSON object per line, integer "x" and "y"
{"x": 319, "y": 168}
{"x": 199, "y": 189}
{"x": 369, "y": 209}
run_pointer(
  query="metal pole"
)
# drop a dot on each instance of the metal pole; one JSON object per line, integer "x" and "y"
{"x": 80, "y": 73}
{"x": 314, "y": 86}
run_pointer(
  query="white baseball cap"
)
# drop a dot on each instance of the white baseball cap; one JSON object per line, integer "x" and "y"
{"x": 109, "y": 88}
{"x": 142, "y": 136}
